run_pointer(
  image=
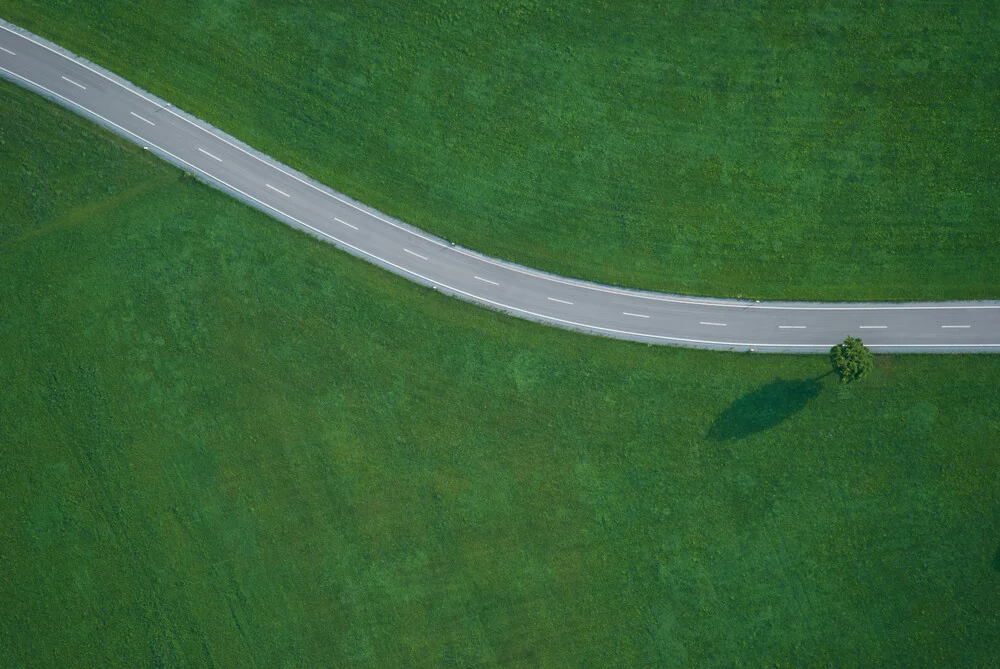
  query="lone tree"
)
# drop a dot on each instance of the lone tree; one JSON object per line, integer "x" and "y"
{"x": 852, "y": 360}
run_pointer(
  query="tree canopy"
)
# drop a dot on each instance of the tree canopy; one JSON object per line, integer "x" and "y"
{"x": 852, "y": 360}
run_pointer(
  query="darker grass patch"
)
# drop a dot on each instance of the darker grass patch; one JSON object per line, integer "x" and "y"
{"x": 763, "y": 409}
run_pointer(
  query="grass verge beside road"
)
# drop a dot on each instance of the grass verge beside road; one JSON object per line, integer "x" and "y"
{"x": 779, "y": 150}
{"x": 223, "y": 441}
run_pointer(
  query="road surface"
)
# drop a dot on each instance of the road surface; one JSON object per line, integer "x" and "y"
{"x": 298, "y": 200}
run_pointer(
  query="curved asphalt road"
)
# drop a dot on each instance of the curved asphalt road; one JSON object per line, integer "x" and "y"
{"x": 297, "y": 200}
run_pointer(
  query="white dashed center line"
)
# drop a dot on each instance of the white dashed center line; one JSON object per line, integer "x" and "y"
{"x": 552, "y": 319}
{"x": 209, "y": 154}
{"x": 141, "y": 118}
{"x": 76, "y": 84}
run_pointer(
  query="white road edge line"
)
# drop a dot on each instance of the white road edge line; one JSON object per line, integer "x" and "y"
{"x": 7, "y": 51}
{"x": 74, "y": 83}
{"x": 459, "y": 291}
{"x": 353, "y": 227}
{"x": 791, "y": 327}
{"x": 661, "y": 298}
{"x": 872, "y": 327}
{"x": 223, "y": 139}
{"x": 554, "y": 299}
{"x": 626, "y": 313}
{"x": 956, "y": 326}
{"x": 141, "y": 118}
{"x": 415, "y": 254}
{"x": 485, "y": 280}
{"x": 721, "y": 325}
{"x": 277, "y": 191}
{"x": 209, "y": 154}
{"x": 719, "y": 302}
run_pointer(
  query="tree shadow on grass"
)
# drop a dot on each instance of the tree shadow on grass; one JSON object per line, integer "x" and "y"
{"x": 996, "y": 560}
{"x": 764, "y": 408}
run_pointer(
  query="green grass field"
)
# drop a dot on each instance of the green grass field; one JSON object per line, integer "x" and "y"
{"x": 768, "y": 149}
{"x": 223, "y": 442}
